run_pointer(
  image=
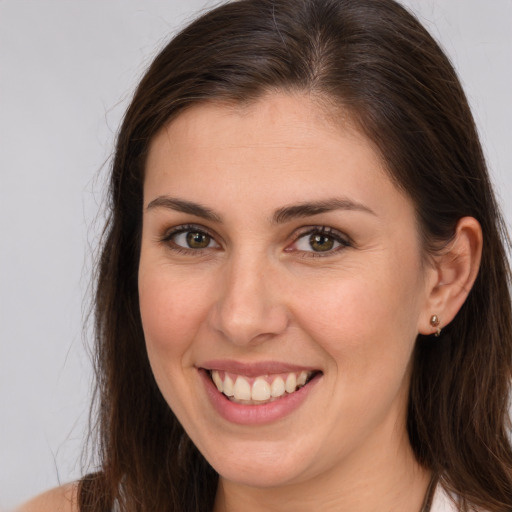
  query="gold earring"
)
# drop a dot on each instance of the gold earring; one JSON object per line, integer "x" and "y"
{"x": 434, "y": 322}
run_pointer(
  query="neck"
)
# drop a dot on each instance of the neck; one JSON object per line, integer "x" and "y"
{"x": 383, "y": 480}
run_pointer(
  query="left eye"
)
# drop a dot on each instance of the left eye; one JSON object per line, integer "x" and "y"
{"x": 320, "y": 241}
{"x": 193, "y": 239}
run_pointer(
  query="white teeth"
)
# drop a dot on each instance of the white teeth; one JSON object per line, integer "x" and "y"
{"x": 217, "y": 380}
{"x": 291, "y": 383}
{"x": 303, "y": 377}
{"x": 277, "y": 388}
{"x": 242, "y": 389}
{"x": 263, "y": 388}
{"x": 228, "y": 386}
{"x": 260, "y": 390}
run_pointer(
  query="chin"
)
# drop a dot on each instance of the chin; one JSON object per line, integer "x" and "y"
{"x": 259, "y": 474}
{"x": 262, "y": 464}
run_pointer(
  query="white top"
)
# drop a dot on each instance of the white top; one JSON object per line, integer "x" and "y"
{"x": 442, "y": 502}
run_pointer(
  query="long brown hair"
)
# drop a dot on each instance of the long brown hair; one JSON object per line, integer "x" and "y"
{"x": 373, "y": 60}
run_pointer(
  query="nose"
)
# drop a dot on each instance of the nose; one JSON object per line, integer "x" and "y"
{"x": 250, "y": 307}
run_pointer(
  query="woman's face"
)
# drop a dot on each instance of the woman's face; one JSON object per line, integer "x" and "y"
{"x": 275, "y": 249}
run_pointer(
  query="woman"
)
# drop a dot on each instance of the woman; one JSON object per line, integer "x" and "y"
{"x": 302, "y": 299}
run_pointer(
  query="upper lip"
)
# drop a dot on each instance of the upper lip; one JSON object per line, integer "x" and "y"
{"x": 254, "y": 369}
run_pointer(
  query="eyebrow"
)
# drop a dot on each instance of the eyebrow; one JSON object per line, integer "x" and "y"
{"x": 309, "y": 209}
{"x": 180, "y": 205}
{"x": 281, "y": 216}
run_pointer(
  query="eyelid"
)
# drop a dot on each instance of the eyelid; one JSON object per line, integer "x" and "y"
{"x": 181, "y": 228}
{"x": 343, "y": 239}
{"x": 168, "y": 234}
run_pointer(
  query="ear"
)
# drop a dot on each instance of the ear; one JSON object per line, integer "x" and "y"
{"x": 452, "y": 275}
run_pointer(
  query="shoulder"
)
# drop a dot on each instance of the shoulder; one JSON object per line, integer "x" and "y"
{"x": 60, "y": 499}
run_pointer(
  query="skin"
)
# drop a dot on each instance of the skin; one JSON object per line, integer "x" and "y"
{"x": 259, "y": 292}
{"x": 60, "y": 499}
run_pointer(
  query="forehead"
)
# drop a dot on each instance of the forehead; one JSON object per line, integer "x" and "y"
{"x": 274, "y": 119}
{"x": 282, "y": 146}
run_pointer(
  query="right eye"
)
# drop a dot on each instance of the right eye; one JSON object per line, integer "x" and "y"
{"x": 190, "y": 238}
{"x": 193, "y": 239}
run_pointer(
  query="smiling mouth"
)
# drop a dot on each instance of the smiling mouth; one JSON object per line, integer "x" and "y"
{"x": 262, "y": 389}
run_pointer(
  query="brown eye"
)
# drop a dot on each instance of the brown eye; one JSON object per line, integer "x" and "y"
{"x": 190, "y": 238}
{"x": 197, "y": 240}
{"x": 320, "y": 242}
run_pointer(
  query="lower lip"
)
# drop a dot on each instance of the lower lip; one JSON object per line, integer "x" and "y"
{"x": 242, "y": 414}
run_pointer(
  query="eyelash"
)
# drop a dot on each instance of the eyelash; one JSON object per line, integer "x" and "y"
{"x": 187, "y": 228}
{"x": 337, "y": 237}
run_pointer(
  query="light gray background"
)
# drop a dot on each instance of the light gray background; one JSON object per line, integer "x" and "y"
{"x": 67, "y": 70}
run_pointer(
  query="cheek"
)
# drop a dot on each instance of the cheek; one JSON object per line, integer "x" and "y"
{"x": 171, "y": 309}
{"x": 364, "y": 319}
